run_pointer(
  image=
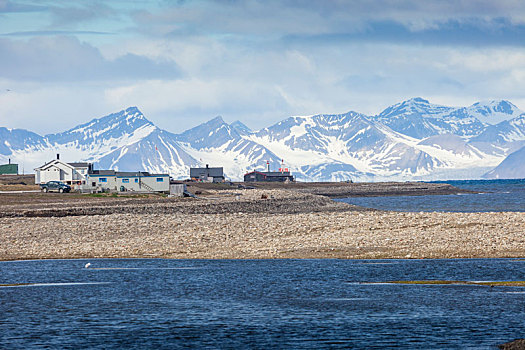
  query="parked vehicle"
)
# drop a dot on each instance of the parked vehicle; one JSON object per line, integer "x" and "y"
{"x": 55, "y": 186}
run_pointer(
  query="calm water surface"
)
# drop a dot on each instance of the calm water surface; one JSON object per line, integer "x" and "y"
{"x": 490, "y": 196}
{"x": 261, "y": 304}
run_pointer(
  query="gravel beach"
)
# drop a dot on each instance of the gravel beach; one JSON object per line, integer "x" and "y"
{"x": 235, "y": 223}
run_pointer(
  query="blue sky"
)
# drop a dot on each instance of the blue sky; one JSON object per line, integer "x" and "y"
{"x": 185, "y": 62}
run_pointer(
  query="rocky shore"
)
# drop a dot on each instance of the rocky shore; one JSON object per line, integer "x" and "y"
{"x": 244, "y": 223}
{"x": 360, "y": 189}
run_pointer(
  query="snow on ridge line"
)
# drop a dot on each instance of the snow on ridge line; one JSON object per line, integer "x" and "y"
{"x": 384, "y": 151}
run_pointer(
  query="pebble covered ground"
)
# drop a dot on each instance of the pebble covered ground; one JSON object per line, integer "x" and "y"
{"x": 246, "y": 224}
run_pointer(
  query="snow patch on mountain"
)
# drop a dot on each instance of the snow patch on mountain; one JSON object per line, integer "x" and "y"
{"x": 494, "y": 112}
{"x": 512, "y": 167}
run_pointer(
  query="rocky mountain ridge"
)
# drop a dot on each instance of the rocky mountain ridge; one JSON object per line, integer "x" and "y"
{"x": 411, "y": 140}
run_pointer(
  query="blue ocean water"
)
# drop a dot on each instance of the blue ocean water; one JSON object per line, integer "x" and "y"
{"x": 258, "y": 304}
{"x": 490, "y": 196}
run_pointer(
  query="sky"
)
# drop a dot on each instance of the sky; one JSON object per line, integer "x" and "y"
{"x": 63, "y": 63}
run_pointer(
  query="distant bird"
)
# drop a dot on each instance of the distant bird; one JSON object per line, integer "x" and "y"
{"x": 7, "y": 90}
{"x": 87, "y": 265}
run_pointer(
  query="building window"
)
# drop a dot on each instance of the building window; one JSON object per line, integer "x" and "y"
{"x": 126, "y": 181}
{"x": 103, "y": 179}
{"x": 160, "y": 179}
{"x": 136, "y": 181}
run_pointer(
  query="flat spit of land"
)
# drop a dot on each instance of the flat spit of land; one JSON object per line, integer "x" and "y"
{"x": 296, "y": 220}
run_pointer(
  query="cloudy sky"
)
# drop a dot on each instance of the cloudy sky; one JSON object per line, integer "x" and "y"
{"x": 63, "y": 63}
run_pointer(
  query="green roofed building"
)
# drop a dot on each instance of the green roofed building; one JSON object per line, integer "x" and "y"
{"x": 9, "y": 169}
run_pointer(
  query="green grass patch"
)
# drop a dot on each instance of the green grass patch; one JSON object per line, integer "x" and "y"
{"x": 95, "y": 194}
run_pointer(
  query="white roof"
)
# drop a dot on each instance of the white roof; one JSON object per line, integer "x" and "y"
{"x": 54, "y": 162}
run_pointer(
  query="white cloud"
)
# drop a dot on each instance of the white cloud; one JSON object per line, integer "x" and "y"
{"x": 184, "y": 64}
{"x": 489, "y": 60}
{"x": 277, "y": 17}
{"x": 49, "y": 108}
{"x": 65, "y": 58}
{"x": 261, "y": 86}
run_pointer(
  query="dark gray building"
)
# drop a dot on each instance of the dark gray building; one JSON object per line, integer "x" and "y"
{"x": 268, "y": 176}
{"x": 207, "y": 174}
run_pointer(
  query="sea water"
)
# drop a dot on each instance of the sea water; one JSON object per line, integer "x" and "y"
{"x": 258, "y": 304}
{"x": 488, "y": 196}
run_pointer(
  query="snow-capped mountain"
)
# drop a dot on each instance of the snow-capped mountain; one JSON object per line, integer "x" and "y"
{"x": 512, "y": 167}
{"x": 493, "y": 112}
{"x": 12, "y": 140}
{"x": 343, "y": 146}
{"x": 157, "y": 152}
{"x": 129, "y": 124}
{"x": 123, "y": 141}
{"x": 502, "y": 138}
{"x": 241, "y": 128}
{"x": 410, "y": 140}
{"x": 220, "y": 144}
{"x": 420, "y": 119}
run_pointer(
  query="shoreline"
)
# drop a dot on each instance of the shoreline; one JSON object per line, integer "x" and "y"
{"x": 359, "y": 189}
{"x": 260, "y": 223}
{"x": 374, "y": 260}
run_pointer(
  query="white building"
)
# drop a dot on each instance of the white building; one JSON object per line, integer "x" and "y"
{"x": 109, "y": 180}
{"x": 82, "y": 177}
{"x": 57, "y": 170}
{"x": 102, "y": 180}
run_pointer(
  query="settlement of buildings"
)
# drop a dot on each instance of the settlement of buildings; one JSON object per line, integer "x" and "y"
{"x": 82, "y": 177}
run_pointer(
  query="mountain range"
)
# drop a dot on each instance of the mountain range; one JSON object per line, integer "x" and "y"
{"x": 411, "y": 140}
